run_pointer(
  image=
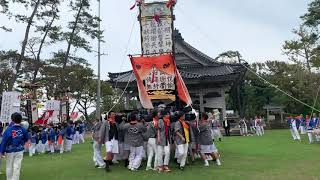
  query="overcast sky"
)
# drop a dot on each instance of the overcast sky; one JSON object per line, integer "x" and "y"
{"x": 256, "y": 28}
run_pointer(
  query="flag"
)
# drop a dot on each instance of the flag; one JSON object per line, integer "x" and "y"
{"x": 142, "y": 66}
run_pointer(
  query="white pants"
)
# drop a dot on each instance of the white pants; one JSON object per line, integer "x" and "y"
{"x": 182, "y": 154}
{"x": 216, "y": 134}
{"x": 76, "y": 138}
{"x": 303, "y": 130}
{"x": 41, "y": 147}
{"x": 14, "y": 165}
{"x": 82, "y": 137}
{"x": 51, "y": 147}
{"x": 243, "y": 131}
{"x": 295, "y": 133}
{"x": 152, "y": 151}
{"x": 163, "y": 155}
{"x": 68, "y": 145}
{"x": 310, "y": 136}
{"x": 262, "y": 129}
{"x": 258, "y": 131}
{"x": 112, "y": 146}
{"x": 135, "y": 157}
{"x": 32, "y": 149}
{"x": 97, "y": 157}
{"x": 60, "y": 147}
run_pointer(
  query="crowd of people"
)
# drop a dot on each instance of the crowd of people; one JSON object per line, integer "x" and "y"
{"x": 18, "y": 138}
{"x": 306, "y": 125}
{"x": 255, "y": 125}
{"x": 153, "y": 136}
{"x": 53, "y": 138}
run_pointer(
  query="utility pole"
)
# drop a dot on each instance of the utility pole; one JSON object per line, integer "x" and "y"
{"x": 98, "y": 113}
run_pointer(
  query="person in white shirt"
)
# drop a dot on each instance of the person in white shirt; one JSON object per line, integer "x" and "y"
{"x": 257, "y": 125}
{"x": 294, "y": 126}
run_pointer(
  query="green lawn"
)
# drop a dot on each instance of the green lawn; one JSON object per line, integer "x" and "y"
{"x": 274, "y": 156}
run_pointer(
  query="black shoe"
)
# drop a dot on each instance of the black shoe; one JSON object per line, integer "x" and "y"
{"x": 126, "y": 163}
{"x": 220, "y": 139}
{"x": 110, "y": 163}
{"x": 107, "y": 168}
{"x": 182, "y": 168}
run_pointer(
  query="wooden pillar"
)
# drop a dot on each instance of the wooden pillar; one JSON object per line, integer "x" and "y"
{"x": 127, "y": 100}
{"x": 224, "y": 107}
{"x": 201, "y": 101}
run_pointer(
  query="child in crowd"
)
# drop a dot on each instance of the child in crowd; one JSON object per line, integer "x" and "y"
{"x": 52, "y": 138}
{"x": 69, "y": 137}
{"x": 44, "y": 139}
{"x": 34, "y": 141}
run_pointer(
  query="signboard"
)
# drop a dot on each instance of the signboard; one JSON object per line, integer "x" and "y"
{"x": 9, "y": 105}
{"x": 53, "y": 105}
{"x": 156, "y": 23}
{"x": 34, "y": 111}
{"x": 156, "y": 36}
{"x": 160, "y": 85}
{"x": 158, "y": 8}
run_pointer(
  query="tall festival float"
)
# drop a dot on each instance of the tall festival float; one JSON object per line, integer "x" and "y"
{"x": 155, "y": 69}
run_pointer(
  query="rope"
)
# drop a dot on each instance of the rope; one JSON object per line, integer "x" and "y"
{"x": 274, "y": 86}
{"x": 124, "y": 90}
{"x": 315, "y": 101}
{"x": 126, "y": 50}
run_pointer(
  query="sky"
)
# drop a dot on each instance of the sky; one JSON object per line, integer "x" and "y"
{"x": 256, "y": 28}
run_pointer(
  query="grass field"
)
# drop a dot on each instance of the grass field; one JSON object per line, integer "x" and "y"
{"x": 273, "y": 156}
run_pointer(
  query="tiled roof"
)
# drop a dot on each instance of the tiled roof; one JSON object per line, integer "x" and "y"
{"x": 186, "y": 73}
{"x": 202, "y": 68}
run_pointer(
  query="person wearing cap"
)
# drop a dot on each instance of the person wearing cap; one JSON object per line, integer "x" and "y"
{"x": 12, "y": 146}
{"x": 183, "y": 136}
{"x": 294, "y": 126}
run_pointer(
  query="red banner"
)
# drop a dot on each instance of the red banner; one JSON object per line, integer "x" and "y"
{"x": 142, "y": 66}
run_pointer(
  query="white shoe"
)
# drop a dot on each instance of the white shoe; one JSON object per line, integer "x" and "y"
{"x": 149, "y": 168}
{"x": 218, "y": 162}
{"x": 101, "y": 167}
{"x": 115, "y": 162}
{"x": 206, "y": 164}
{"x": 133, "y": 169}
